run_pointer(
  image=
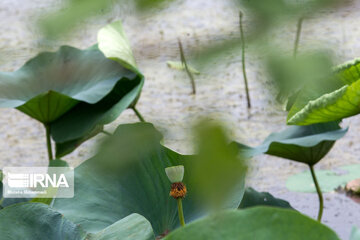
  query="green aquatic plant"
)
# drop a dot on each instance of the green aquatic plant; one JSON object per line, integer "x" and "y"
{"x": 74, "y": 92}
{"x": 123, "y": 193}
{"x": 305, "y": 144}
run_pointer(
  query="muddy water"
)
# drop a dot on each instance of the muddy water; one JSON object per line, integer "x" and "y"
{"x": 166, "y": 99}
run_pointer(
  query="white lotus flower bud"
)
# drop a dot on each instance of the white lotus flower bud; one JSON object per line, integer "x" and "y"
{"x": 175, "y": 173}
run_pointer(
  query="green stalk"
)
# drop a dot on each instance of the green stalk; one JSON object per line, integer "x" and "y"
{"x": 297, "y": 37}
{"x": 243, "y": 61}
{"x": 48, "y": 142}
{"x": 183, "y": 61}
{"x": 141, "y": 118}
{"x": 180, "y": 212}
{"x": 318, "y": 190}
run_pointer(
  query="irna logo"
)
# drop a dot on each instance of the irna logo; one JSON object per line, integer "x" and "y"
{"x": 21, "y": 180}
{"x": 41, "y": 182}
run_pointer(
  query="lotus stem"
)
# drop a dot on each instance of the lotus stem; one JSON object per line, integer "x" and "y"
{"x": 141, "y": 118}
{"x": 180, "y": 212}
{"x": 183, "y": 61}
{"x": 318, "y": 190}
{"x": 297, "y": 37}
{"x": 243, "y": 60}
{"x": 48, "y": 142}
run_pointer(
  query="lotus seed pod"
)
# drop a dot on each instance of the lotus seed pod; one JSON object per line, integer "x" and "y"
{"x": 178, "y": 190}
{"x": 175, "y": 173}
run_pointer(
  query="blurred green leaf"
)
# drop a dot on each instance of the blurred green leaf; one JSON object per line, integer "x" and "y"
{"x": 306, "y": 144}
{"x": 128, "y": 176}
{"x": 218, "y": 169}
{"x": 260, "y": 223}
{"x": 291, "y": 74}
{"x": 74, "y": 12}
{"x": 253, "y": 198}
{"x": 328, "y": 101}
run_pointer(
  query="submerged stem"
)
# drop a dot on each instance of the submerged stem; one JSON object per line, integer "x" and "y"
{"x": 141, "y": 118}
{"x": 318, "y": 190}
{"x": 243, "y": 61}
{"x": 180, "y": 212}
{"x": 183, "y": 61}
{"x": 297, "y": 38}
{"x": 48, "y": 142}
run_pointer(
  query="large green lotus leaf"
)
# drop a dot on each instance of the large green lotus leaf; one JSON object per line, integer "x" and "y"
{"x": 37, "y": 221}
{"x": 70, "y": 130}
{"x": 306, "y": 144}
{"x": 260, "y": 223}
{"x": 329, "y": 180}
{"x": 337, "y": 98}
{"x": 50, "y": 84}
{"x": 85, "y": 118}
{"x": 74, "y": 91}
{"x": 253, "y": 198}
{"x": 128, "y": 176}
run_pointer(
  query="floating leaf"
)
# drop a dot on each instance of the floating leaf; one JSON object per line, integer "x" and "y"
{"x": 306, "y": 144}
{"x": 180, "y": 66}
{"x": 38, "y": 221}
{"x": 260, "y": 223}
{"x": 328, "y": 180}
{"x": 254, "y": 198}
{"x": 355, "y": 234}
{"x": 128, "y": 176}
{"x": 335, "y": 99}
